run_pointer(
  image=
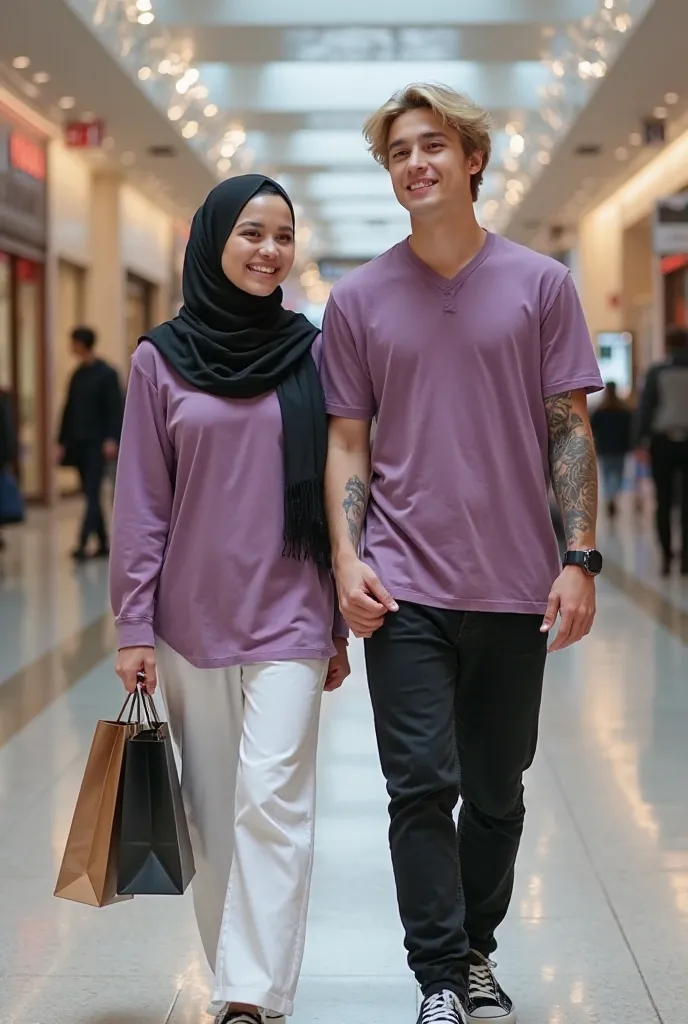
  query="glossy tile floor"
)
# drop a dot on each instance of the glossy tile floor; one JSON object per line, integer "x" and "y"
{"x": 598, "y": 932}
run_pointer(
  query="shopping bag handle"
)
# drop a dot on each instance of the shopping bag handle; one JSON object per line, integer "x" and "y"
{"x": 147, "y": 703}
{"x": 133, "y": 702}
{"x": 141, "y": 707}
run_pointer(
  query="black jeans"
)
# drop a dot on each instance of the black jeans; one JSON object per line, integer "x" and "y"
{"x": 456, "y": 698}
{"x": 669, "y": 463}
{"x": 90, "y": 463}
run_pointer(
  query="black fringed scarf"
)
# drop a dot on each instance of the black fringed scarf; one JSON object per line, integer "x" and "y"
{"x": 235, "y": 345}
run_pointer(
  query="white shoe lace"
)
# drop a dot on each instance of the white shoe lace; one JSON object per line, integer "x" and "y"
{"x": 442, "y": 1008}
{"x": 482, "y": 982}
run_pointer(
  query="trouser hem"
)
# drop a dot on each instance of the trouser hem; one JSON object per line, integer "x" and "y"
{"x": 254, "y": 997}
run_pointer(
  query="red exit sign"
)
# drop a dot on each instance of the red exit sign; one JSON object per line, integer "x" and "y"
{"x": 27, "y": 156}
{"x": 84, "y": 134}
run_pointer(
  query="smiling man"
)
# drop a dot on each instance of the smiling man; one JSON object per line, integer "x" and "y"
{"x": 472, "y": 355}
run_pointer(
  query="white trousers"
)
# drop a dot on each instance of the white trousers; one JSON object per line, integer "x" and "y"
{"x": 247, "y": 738}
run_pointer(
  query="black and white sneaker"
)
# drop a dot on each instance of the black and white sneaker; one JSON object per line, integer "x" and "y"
{"x": 230, "y": 1016}
{"x": 487, "y": 1000}
{"x": 441, "y": 1008}
{"x": 274, "y": 1018}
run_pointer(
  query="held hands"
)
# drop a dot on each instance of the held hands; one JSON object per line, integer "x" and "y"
{"x": 131, "y": 661}
{"x": 363, "y": 600}
{"x": 573, "y": 598}
{"x": 339, "y": 666}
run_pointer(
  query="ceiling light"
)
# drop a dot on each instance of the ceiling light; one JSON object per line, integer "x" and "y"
{"x": 510, "y": 128}
{"x": 88, "y": 115}
{"x": 621, "y": 153}
{"x": 228, "y": 150}
{"x": 635, "y": 139}
{"x": 201, "y": 92}
{"x": 609, "y": 4}
{"x": 20, "y": 63}
{"x": 190, "y": 129}
{"x": 108, "y": 142}
{"x": 144, "y": 5}
{"x": 145, "y": 73}
{"x": 66, "y": 102}
{"x": 517, "y": 144}
{"x": 660, "y": 113}
{"x": 147, "y": 18}
{"x": 224, "y": 165}
{"x": 671, "y": 98}
{"x": 41, "y": 77}
{"x": 210, "y": 110}
{"x": 165, "y": 66}
{"x": 175, "y": 113}
{"x": 544, "y": 157}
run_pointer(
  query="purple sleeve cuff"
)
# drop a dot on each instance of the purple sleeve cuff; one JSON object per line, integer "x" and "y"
{"x": 135, "y": 633}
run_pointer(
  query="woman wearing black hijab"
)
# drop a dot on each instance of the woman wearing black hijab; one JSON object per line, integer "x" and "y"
{"x": 220, "y": 581}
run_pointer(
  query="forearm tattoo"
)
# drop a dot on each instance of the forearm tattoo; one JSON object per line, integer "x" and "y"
{"x": 573, "y": 468}
{"x": 354, "y": 506}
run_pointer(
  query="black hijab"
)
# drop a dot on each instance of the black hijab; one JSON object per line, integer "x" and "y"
{"x": 235, "y": 345}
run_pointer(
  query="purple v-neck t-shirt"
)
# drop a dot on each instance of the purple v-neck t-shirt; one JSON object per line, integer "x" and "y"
{"x": 456, "y": 373}
{"x": 198, "y": 529}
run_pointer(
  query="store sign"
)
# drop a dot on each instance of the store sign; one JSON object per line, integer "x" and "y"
{"x": 84, "y": 134}
{"x": 23, "y": 169}
{"x": 27, "y": 156}
{"x": 671, "y": 225}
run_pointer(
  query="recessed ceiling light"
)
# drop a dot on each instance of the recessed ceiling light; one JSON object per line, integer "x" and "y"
{"x": 20, "y": 63}
{"x": 671, "y": 98}
{"x": 147, "y": 18}
{"x": 41, "y": 77}
{"x": 621, "y": 153}
{"x": 66, "y": 102}
{"x": 88, "y": 115}
{"x": 210, "y": 110}
{"x": 144, "y": 5}
{"x": 660, "y": 113}
{"x": 144, "y": 73}
{"x": 635, "y": 139}
{"x": 175, "y": 113}
{"x": 224, "y": 165}
{"x": 190, "y": 129}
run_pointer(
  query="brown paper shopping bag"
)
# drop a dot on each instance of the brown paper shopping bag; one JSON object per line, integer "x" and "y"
{"x": 89, "y": 867}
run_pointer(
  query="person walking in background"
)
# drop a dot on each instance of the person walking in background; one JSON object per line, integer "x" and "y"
{"x": 89, "y": 434}
{"x": 8, "y": 453}
{"x": 473, "y": 355}
{"x": 663, "y": 430}
{"x": 221, "y": 582}
{"x": 612, "y": 428}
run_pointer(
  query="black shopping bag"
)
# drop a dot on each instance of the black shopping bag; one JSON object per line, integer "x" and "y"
{"x": 154, "y": 856}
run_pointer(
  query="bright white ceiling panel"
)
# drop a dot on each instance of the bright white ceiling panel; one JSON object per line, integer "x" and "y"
{"x": 370, "y": 12}
{"x": 292, "y": 87}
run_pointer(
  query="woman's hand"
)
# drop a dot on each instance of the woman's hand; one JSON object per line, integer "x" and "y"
{"x": 133, "y": 660}
{"x": 339, "y": 665}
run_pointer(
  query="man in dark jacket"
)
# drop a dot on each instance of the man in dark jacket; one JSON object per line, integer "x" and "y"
{"x": 90, "y": 433}
{"x": 663, "y": 424}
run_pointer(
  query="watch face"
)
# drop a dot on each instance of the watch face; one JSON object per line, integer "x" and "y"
{"x": 593, "y": 562}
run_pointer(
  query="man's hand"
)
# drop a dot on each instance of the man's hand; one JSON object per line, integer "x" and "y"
{"x": 573, "y": 598}
{"x": 110, "y": 450}
{"x": 131, "y": 661}
{"x": 363, "y": 600}
{"x": 339, "y": 666}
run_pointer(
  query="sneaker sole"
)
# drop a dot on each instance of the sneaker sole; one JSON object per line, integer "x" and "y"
{"x": 510, "y": 1018}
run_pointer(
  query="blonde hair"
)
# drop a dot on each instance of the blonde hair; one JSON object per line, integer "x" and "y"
{"x": 458, "y": 111}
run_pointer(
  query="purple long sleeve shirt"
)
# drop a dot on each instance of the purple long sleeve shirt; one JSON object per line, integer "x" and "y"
{"x": 198, "y": 529}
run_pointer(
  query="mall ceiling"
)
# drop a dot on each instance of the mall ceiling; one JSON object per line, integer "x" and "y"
{"x": 218, "y": 86}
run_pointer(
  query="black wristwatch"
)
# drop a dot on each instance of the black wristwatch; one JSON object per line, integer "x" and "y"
{"x": 590, "y": 561}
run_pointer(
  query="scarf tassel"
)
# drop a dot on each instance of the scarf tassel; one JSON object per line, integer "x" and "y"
{"x": 306, "y": 536}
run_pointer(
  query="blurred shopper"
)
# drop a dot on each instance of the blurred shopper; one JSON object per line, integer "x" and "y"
{"x": 8, "y": 453}
{"x": 221, "y": 581}
{"x": 612, "y": 428}
{"x": 89, "y": 434}
{"x": 474, "y": 355}
{"x": 663, "y": 426}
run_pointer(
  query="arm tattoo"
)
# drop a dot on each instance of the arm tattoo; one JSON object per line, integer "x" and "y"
{"x": 354, "y": 506}
{"x": 573, "y": 468}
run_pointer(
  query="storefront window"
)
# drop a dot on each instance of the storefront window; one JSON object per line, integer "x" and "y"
{"x": 30, "y": 350}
